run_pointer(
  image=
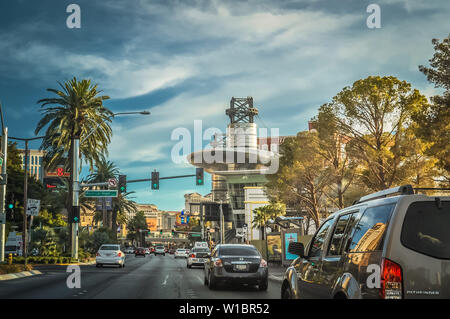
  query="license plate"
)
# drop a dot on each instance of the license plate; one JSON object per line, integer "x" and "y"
{"x": 240, "y": 267}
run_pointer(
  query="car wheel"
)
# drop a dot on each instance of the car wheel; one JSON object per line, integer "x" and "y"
{"x": 97, "y": 265}
{"x": 189, "y": 266}
{"x": 286, "y": 293}
{"x": 212, "y": 282}
{"x": 164, "y": 254}
{"x": 263, "y": 286}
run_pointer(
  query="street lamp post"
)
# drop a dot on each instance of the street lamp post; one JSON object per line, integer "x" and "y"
{"x": 3, "y": 188}
{"x": 75, "y": 179}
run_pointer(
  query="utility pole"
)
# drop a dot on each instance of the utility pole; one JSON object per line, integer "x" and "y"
{"x": 25, "y": 199}
{"x": 3, "y": 192}
{"x": 221, "y": 225}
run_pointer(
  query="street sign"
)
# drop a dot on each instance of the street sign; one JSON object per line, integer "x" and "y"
{"x": 100, "y": 193}
{"x": 105, "y": 201}
{"x": 195, "y": 235}
{"x": 112, "y": 182}
{"x": 2, "y": 218}
{"x": 33, "y": 207}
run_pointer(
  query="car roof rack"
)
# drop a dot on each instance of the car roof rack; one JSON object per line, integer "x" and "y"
{"x": 400, "y": 190}
{"x": 417, "y": 189}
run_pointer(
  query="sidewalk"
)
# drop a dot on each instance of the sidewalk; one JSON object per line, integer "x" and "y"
{"x": 276, "y": 272}
{"x": 20, "y": 275}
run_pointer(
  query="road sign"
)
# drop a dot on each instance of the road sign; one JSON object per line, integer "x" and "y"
{"x": 195, "y": 235}
{"x": 33, "y": 207}
{"x": 2, "y": 218}
{"x": 112, "y": 182}
{"x": 106, "y": 202}
{"x": 100, "y": 193}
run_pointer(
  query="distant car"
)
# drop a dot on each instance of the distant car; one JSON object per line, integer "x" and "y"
{"x": 110, "y": 254}
{"x": 172, "y": 251}
{"x": 197, "y": 257}
{"x": 236, "y": 263}
{"x": 139, "y": 252}
{"x": 160, "y": 250}
{"x": 180, "y": 253}
{"x": 129, "y": 250}
{"x": 147, "y": 251}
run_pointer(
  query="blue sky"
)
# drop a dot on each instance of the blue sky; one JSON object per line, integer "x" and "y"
{"x": 184, "y": 60}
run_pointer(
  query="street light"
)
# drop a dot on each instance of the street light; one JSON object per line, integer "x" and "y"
{"x": 75, "y": 176}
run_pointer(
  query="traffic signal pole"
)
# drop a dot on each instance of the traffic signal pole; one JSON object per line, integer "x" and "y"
{"x": 75, "y": 194}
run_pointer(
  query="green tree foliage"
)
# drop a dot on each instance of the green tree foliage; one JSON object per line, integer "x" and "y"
{"x": 434, "y": 119}
{"x": 331, "y": 146}
{"x": 76, "y": 111}
{"x": 262, "y": 214}
{"x": 136, "y": 223}
{"x": 374, "y": 114}
{"x": 302, "y": 176}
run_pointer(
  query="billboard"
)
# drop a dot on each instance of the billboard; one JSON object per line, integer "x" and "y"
{"x": 274, "y": 247}
{"x": 152, "y": 223}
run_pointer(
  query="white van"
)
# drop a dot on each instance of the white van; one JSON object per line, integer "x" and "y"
{"x": 14, "y": 244}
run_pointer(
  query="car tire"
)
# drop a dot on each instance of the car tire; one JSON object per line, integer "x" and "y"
{"x": 286, "y": 293}
{"x": 164, "y": 254}
{"x": 97, "y": 265}
{"x": 189, "y": 266}
{"x": 212, "y": 285}
{"x": 263, "y": 286}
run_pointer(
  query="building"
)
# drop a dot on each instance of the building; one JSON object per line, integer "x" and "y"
{"x": 192, "y": 202}
{"x": 35, "y": 163}
{"x": 240, "y": 181}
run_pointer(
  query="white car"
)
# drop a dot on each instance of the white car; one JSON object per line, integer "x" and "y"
{"x": 129, "y": 250}
{"x": 181, "y": 253}
{"x": 110, "y": 254}
{"x": 159, "y": 250}
{"x": 198, "y": 257}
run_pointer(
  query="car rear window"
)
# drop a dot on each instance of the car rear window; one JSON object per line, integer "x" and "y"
{"x": 200, "y": 250}
{"x": 238, "y": 251}
{"x": 426, "y": 229}
{"x": 109, "y": 247}
{"x": 370, "y": 230}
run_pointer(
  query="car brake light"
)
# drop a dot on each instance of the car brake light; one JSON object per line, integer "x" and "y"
{"x": 263, "y": 263}
{"x": 192, "y": 255}
{"x": 391, "y": 280}
{"x": 218, "y": 262}
{"x": 119, "y": 254}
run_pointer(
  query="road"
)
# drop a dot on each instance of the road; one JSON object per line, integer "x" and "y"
{"x": 152, "y": 277}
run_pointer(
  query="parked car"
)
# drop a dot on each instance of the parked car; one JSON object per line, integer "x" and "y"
{"x": 236, "y": 264}
{"x": 180, "y": 253}
{"x": 160, "y": 250}
{"x": 110, "y": 254}
{"x": 129, "y": 250}
{"x": 198, "y": 257}
{"x": 147, "y": 251}
{"x": 140, "y": 251}
{"x": 391, "y": 244}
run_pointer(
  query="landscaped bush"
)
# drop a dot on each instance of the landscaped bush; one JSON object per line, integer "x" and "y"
{"x": 9, "y": 269}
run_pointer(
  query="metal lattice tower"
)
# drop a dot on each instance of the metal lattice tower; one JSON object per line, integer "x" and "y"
{"x": 241, "y": 110}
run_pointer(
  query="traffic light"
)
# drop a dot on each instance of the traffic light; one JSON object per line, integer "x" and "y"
{"x": 173, "y": 232}
{"x": 75, "y": 215}
{"x": 199, "y": 176}
{"x": 10, "y": 206}
{"x": 122, "y": 184}
{"x": 155, "y": 181}
{"x": 160, "y": 232}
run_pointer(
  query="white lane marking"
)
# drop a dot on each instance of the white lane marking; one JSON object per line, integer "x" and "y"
{"x": 201, "y": 280}
{"x": 165, "y": 280}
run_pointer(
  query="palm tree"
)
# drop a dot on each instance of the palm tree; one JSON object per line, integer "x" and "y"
{"x": 77, "y": 111}
{"x": 262, "y": 214}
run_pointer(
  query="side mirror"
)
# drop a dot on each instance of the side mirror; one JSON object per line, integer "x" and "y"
{"x": 296, "y": 249}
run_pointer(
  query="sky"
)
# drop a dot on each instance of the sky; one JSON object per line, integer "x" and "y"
{"x": 184, "y": 60}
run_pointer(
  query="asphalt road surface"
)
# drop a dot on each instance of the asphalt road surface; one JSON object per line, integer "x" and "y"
{"x": 152, "y": 277}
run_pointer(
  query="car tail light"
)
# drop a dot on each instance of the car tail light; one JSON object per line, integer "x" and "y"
{"x": 98, "y": 253}
{"x": 263, "y": 263}
{"x": 218, "y": 262}
{"x": 119, "y": 254}
{"x": 391, "y": 280}
{"x": 192, "y": 255}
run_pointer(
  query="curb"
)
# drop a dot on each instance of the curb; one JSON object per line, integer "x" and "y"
{"x": 275, "y": 278}
{"x": 20, "y": 275}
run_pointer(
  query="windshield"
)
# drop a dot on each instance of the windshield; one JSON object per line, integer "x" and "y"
{"x": 238, "y": 251}
{"x": 109, "y": 247}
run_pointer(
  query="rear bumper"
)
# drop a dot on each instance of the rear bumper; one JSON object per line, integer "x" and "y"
{"x": 197, "y": 262}
{"x": 110, "y": 261}
{"x": 254, "y": 278}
